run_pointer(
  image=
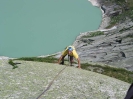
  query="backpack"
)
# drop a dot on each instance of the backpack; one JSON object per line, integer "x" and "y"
{"x": 129, "y": 94}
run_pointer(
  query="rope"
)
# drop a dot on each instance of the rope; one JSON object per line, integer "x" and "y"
{"x": 50, "y": 84}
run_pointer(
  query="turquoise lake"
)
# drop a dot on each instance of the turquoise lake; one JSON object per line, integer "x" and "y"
{"x": 39, "y": 27}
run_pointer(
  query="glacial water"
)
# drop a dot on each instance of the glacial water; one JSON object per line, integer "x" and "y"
{"x": 40, "y": 27}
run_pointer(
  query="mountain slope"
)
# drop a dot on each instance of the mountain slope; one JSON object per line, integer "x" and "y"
{"x": 112, "y": 43}
{"x": 30, "y": 79}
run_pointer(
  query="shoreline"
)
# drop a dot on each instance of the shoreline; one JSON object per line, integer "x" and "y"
{"x": 102, "y": 26}
{"x": 5, "y": 58}
{"x": 94, "y": 3}
{"x": 104, "y": 22}
{"x": 105, "y": 19}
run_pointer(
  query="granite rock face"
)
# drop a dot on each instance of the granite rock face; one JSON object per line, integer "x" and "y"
{"x": 30, "y": 79}
{"x": 114, "y": 46}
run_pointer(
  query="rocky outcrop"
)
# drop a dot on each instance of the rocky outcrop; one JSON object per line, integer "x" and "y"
{"x": 30, "y": 79}
{"x": 114, "y": 46}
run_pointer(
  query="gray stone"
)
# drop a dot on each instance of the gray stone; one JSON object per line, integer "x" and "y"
{"x": 115, "y": 47}
{"x": 30, "y": 79}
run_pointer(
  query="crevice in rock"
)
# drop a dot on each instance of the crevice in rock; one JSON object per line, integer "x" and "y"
{"x": 122, "y": 54}
{"x": 118, "y": 40}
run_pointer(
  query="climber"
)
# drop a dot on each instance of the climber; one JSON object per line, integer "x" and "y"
{"x": 71, "y": 52}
